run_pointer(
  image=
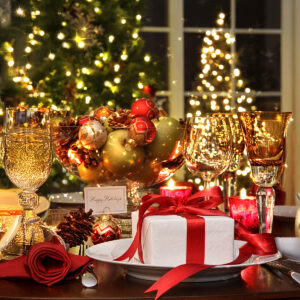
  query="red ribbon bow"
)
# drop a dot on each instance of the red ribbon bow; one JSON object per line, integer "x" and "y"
{"x": 261, "y": 244}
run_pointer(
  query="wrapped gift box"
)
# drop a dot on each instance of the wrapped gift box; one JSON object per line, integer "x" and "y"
{"x": 164, "y": 239}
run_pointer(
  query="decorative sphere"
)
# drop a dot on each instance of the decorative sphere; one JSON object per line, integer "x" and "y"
{"x": 142, "y": 131}
{"x": 102, "y": 112}
{"x": 85, "y": 119}
{"x": 119, "y": 159}
{"x": 105, "y": 230}
{"x": 144, "y": 108}
{"x": 92, "y": 135}
{"x": 168, "y": 133}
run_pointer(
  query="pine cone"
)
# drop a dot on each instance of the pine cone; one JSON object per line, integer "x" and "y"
{"x": 120, "y": 119}
{"x": 77, "y": 227}
{"x": 66, "y": 138}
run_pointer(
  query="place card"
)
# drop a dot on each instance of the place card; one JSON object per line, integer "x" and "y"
{"x": 106, "y": 199}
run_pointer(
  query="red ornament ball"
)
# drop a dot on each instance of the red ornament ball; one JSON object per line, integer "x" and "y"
{"x": 144, "y": 108}
{"x": 105, "y": 230}
{"x": 142, "y": 131}
{"x": 85, "y": 119}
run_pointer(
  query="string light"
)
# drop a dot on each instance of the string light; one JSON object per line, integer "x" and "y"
{"x": 60, "y": 36}
{"x": 111, "y": 38}
{"x": 51, "y": 56}
{"x": 116, "y": 67}
{"x": 20, "y": 12}
{"x": 88, "y": 99}
{"x": 28, "y": 49}
{"x": 138, "y": 17}
{"x": 147, "y": 58}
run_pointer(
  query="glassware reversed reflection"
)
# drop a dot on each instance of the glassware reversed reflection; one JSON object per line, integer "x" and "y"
{"x": 264, "y": 134}
{"x": 27, "y": 163}
{"x": 207, "y": 147}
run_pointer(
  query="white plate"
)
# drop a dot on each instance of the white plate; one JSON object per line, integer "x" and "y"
{"x": 285, "y": 211}
{"x": 289, "y": 246}
{"x": 107, "y": 252}
{"x": 9, "y": 200}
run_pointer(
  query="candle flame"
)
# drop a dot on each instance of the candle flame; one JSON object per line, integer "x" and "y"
{"x": 171, "y": 184}
{"x": 243, "y": 193}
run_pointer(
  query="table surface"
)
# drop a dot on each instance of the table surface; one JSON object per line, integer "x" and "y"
{"x": 255, "y": 282}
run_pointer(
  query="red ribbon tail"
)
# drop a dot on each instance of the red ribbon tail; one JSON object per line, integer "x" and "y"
{"x": 130, "y": 251}
{"x": 175, "y": 276}
{"x": 182, "y": 272}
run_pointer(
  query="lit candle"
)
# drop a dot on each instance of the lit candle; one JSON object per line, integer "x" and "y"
{"x": 243, "y": 209}
{"x": 179, "y": 192}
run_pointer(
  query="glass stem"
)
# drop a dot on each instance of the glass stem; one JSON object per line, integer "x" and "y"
{"x": 229, "y": 188}
{"x": 265, "y": 199}
{"x": 30, "y": 231}
{"x": 206, "y": 186}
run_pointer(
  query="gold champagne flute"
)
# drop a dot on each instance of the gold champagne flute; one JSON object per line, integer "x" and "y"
{"x": 264, "y": 134}
{"x": 27, "y": 163}
{"x": 207, "y": 147}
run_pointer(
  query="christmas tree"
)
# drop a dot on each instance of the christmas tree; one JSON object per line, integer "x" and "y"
{"x": 219, "y": 78}
{"x": 74, "y": 55}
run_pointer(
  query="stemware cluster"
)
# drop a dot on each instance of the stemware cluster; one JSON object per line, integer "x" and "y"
{"x": 215, "y": 143}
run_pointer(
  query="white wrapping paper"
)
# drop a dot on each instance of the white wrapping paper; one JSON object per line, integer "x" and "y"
{"x": 164, "y": 239}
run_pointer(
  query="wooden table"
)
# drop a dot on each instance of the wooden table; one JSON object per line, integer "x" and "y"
{"x": 255, "y": 282}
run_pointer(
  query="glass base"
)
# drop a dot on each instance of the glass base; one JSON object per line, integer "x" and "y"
{"x": 29, "y": 233}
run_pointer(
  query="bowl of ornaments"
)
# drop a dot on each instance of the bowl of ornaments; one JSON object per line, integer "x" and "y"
{"x": 140, "y": 146}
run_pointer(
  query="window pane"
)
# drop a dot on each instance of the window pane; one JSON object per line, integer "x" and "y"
{"x": 157, "y": 45}
{"x": 259, "y": 61}
{"x": 192, "y": 57}
{"x": 267, "y": 103}
{"x": 258, "y": 13}
{"x": 203, "y": 13}
{"x": 156, "y": 13}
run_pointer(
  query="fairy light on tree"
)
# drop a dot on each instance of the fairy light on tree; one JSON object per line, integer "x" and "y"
{"x": 215, "y": 81}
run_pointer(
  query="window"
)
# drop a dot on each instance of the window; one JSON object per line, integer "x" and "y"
{"x": 267, "y": 48}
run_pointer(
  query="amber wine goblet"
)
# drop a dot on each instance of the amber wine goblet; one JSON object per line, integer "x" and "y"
{"x": 27, "y": 163}
{"x": 264, "y": 135}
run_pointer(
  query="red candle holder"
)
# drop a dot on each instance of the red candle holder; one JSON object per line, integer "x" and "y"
{"x": 179, "y": 192}
{"x": 244, "y": 210}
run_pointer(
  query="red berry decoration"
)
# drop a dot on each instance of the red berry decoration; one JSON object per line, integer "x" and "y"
{"x": 142, "y": 131}
{"x": 144, "y": 108}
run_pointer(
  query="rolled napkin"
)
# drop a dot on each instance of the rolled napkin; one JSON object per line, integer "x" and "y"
{"x": 46, "y": 263}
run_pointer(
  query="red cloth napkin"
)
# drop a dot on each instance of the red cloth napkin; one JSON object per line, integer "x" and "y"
{"x": 46, "y": 263}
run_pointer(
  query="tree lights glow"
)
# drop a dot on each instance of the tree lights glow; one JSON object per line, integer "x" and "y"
{"x": 77, "y": 56}
{"x": 216, "y": 79}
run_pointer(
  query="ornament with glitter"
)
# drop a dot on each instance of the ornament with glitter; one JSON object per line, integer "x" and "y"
{"x": 144, "y": 108}
{"x": 105, "y": 230}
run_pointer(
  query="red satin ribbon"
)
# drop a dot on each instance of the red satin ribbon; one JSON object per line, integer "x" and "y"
{"x": 261, "y": 244}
